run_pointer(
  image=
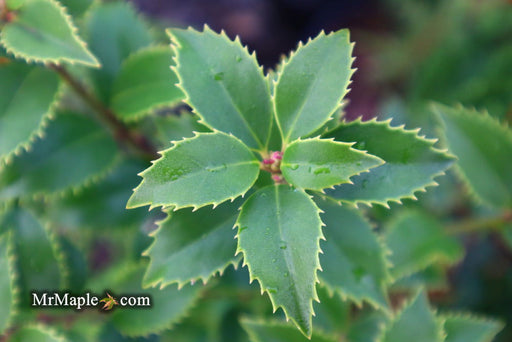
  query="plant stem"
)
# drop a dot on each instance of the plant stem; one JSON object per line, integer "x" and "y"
{"x": 482, "y": 224}
{"x": 123, "y": 134}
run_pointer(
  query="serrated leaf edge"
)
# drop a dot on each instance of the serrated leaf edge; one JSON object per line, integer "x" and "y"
{"x": 39, "y": 132}
{"x": 439, "y": 321}
{"x": 412, "y": 194}
{"x": 345, "y": 295}
{"x": 46, "y": 329}
{"x": 144, "y": 113}
{"x": 484, "y": 118}
{"x": 193, "y": 206}
{"x": 74, "y": 33}
{"x": 166, "y": 326}
{"x": 181, "y": 282}
{"x": 13, "y": 279}
{"x": 285, "y": 61}
{"x": 316, "y": 279}
{"x": 475, "y": 317}
{"x": 340, "y": 143}
{"x": 206, "y": 29}
{"x": 276, "y": 323}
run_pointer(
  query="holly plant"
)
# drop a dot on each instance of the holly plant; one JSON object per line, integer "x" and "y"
{"x": 274, "y": 141}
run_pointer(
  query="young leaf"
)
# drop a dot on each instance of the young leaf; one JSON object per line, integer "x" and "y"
{"x": 192, "y": 245}
{"x": 27, "y": 95}
{"x": 354, "y": 263}
{"x": 38, "y": 333}
{"x": 465, "y": 328}
{"x": 144, "y": 83}
{"x": 114, "y": 31}
{"x": 224, "y": 84}
{"x": 312, "y": 84}
{"x": 416, "y": 322}
{"x": 38, "y": 255}
{"x": 416, "y": 241}
{"x": 75, "y": 152}
{"x": 42, "y": 31}
{"x": 168, "y": 306}
{"x": 411, "y": 162}
{"x": 275, "y": 331}
{"x": 8, "y": 290}
{"x": 207, "y": 169}
{"x": 279, "y": 230}
{"x": 317, "y": 164}
{"x": 483, "y": 147}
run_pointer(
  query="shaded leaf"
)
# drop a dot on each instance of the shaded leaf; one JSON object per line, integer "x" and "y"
{"x": 76, "y": 7}
{"x": 312, "y": 84}
{"x": 275, "y": 331}
{"x": 192, "y": 245}
{"x": 27, "y": 94}
{"x": 210, "y": 68}
{"x": 317, "y": 164}
{"x": 416, "y": 322}
{"x": 411, "y": 162}
{"x": 177, "y": 127}
{"x": 114, "y": 31}
{"x": 145, "y": 82}
{"x": 465, "y": 328}
{"x": 38, "y": 256}
{"x": 279, "y": 229}
{"x": 367, "y": 327}
{"x": 42, "y": 31}
{"x": 185, "y": 174}
{"x": 100, "y": 206}
{"x": 39, "y": 333}
{"x": 168, "y": 306}
{"x": 483, "y": 147}
{"x": 8, "y": 290}
{"x": 75, "y": 152}
{"x": 417, "y": 240}
{"x": 332, "y": 314}
{"x": 354, "y": 263}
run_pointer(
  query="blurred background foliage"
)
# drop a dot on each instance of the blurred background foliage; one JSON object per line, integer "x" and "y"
{"x": 409, "y": 54}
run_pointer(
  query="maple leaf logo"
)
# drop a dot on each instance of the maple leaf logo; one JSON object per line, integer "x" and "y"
{"x": 109, "y": 302}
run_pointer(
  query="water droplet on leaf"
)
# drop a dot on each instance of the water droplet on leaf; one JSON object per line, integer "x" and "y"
{"x": 294, "y": 166}
{"x": 321, "y": 170}
{"x": 219, "y": 76}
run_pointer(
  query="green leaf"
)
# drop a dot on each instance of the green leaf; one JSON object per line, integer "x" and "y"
{"x": 192, "y": 245}
{"x": 224, "y": 84}
{"x": 42, "y": 31}
{"x": 366, "y": 327}
{"x": 177, "y": 127}
{"x": 317, "y": 164}
{"x": 416, "y": 322}
{"x": 100, "y": 206}
{"x": 76, "y": 8}
{"x": 8, "y": 289}
{"x": 144, "y": 83}
{"x": 332, "y": 314}
{"x": 465, "y": 328}
{"x": 75, "y": 152}
{"x": 417, "y": 240}
{"x": 354, "y": 262}
{"x": 207, "y": 169}
{"x": 39, "y": 333}
{"x": 114, "y": 31}
{"x": 483, "y": 147}
{"x": 411, "y": 162}
{"x": 167, "y": 306}
{"x": 279, "y": 231}
{"x": 275, "y": 331}
{"x": 38, "y": 256}
{"x": 27, "y": 95}
{"x": 312, "y": 84}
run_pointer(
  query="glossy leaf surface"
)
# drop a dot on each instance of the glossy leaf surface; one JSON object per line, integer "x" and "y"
{"x": 279, "y": 229}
